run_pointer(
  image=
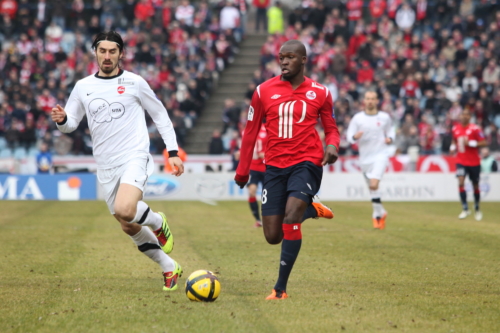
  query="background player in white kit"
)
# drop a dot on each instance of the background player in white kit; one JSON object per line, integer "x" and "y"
{"x": 115, "y": 102}
{"x": 373, "y": 131}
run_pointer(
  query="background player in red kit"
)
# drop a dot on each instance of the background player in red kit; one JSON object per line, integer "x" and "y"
{"x": 291, "y": 104}
{"x": 257, "y": 172}
{"x": 467, "y": 138}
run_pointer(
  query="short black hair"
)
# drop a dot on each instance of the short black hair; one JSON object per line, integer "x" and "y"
{"x": 111, "y": 36}
{"x": 298, "y": 45}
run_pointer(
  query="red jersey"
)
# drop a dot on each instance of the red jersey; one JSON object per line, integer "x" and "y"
{"x": 468, "y": 156}
{"x": 377, "y": 8}
{"x": 291, "y": 117}
{"x": 354, "y": 9}
{"x": 260, "y": 148}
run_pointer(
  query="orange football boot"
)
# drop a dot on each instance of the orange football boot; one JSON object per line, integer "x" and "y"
{"x": 382, "y": 221}
{"x": 277, "y": 294}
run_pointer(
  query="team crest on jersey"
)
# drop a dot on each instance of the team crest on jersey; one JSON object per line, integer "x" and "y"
{"x": 250, "y": 113}
{"x": 103, "y": 112}
{"x": 121, "y": 89}
{"x": 311, "y": 94}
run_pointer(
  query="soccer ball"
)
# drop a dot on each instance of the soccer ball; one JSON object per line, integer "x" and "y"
{"x": 202, "y": 286}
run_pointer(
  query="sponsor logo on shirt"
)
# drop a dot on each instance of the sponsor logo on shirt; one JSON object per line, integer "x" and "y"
{"x": 121, "y": 89}
{"x": 311, "y": 94}
{"x": 276, "y": 97}
{"x": 103, "y": 112}
{"x": 126, "y": 82}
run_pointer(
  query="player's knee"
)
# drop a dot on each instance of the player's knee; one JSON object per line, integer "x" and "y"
{"x": 127, "y": 228}
{"x": 273, "y": 238}
{"x": 125, "y": 212}
{"x": 293, "y": 217}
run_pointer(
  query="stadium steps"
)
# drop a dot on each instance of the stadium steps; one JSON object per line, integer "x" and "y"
{"x": 233, "y": 83}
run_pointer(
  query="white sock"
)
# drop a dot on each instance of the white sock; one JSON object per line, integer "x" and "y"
{"x": 148, "y": 244}
{"x": 378, "y": 208}
{"x": 145, "y": 216}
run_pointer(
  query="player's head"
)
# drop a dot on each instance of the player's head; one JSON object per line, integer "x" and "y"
{"x": 108, "y": 47}
{"x": 485, "y": 152}
{"x": 371, "y": 100}
{"x": 293, "y": 57}
{"x": 465, "y": 117}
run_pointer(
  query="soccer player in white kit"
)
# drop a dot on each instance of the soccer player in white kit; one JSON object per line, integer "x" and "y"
{"x": 115, "y": 102}
{"x": 373, "y": 131}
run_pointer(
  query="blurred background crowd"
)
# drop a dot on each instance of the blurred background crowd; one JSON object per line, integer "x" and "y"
{"x": 427, "y": 60}
{"x": 179, "y": 48}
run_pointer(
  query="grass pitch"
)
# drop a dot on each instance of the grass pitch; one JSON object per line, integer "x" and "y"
{"x": 67, "y": 267}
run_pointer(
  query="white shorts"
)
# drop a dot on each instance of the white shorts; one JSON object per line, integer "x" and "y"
{"x": 376, "y": 169}
{"x": 135, "y": 172}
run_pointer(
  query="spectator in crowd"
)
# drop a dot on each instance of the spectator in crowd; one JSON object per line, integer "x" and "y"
{"x": 261, "y": 14}
{"x": 275, "y": 21}
{"x": 44, "y": 159}
{"x": 488, "y": 162}
{"x": 405, "y": 17}
{"x": 216, "y": 146}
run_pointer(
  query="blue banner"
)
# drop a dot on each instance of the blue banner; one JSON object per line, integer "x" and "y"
{"x": 80, "y": 186}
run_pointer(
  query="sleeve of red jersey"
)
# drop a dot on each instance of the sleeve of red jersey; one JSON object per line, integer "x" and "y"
{"x": 254, "y": 121}
{"x": 327, "y": 115}
{"x": 479, "y": 135}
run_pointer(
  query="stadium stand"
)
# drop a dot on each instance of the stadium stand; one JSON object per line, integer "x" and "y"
{"x": 45, "y": 48}
{"x": 427, "y": 60}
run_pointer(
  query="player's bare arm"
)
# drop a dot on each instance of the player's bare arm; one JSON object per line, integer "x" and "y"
{"x": 58, "y": 114}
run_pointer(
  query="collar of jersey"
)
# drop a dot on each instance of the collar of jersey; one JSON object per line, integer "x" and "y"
{"x": 120, "y": 72}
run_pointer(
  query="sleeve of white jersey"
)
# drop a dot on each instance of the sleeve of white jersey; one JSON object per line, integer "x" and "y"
{"x": 351, "y": 130}
{"x": 154, "y": 107}
{"x": 390, "y": 131}
{"x": 74, "y": 112}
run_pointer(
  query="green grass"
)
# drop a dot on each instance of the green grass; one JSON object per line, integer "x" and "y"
{"x": 67, "y": 267}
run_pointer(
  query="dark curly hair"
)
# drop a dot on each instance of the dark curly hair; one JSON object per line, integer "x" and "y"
{"x": 111, "y": 36}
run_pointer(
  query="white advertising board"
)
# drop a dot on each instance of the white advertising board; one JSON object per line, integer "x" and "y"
{"x": 335, "y": 187}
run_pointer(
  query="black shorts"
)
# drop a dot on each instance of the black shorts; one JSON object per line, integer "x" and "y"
{"x": 301, "y": 181}
{"x": 256, "y": 177}
{"x": 472, "y": 171}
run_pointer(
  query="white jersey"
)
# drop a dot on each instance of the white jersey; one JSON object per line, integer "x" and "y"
{"x": 115, "y": 109}
{"x": 375, "y": 128}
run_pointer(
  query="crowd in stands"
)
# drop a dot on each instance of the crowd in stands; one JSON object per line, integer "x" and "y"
{"x": 427, "y": 60}
{"x": 45, "y": 48}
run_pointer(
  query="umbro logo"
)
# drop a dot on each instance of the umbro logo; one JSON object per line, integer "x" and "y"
{"x": 309, "y": 186}
{"x": 88, "y": 94}
{"x": 276, "y": 97}
{"x": 283, "y": 263}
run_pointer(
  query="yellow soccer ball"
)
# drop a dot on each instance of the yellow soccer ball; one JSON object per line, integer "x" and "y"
{"x": 202, "y": 286}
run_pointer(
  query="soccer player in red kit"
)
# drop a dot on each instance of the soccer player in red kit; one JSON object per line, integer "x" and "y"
{"x": 291, "y": 104}
{"x": 467, "y": 138}
{"x": 257, "y": 173}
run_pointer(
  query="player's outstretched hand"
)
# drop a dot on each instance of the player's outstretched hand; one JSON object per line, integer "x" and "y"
{"x": 331, "y": 155}
{"x": 358, "y": 135}
{"x": 241, "y": 181}
{"x": 240, "y": 184}
{"x": 177, "y": 165}
{"x": 58, "y": 114}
